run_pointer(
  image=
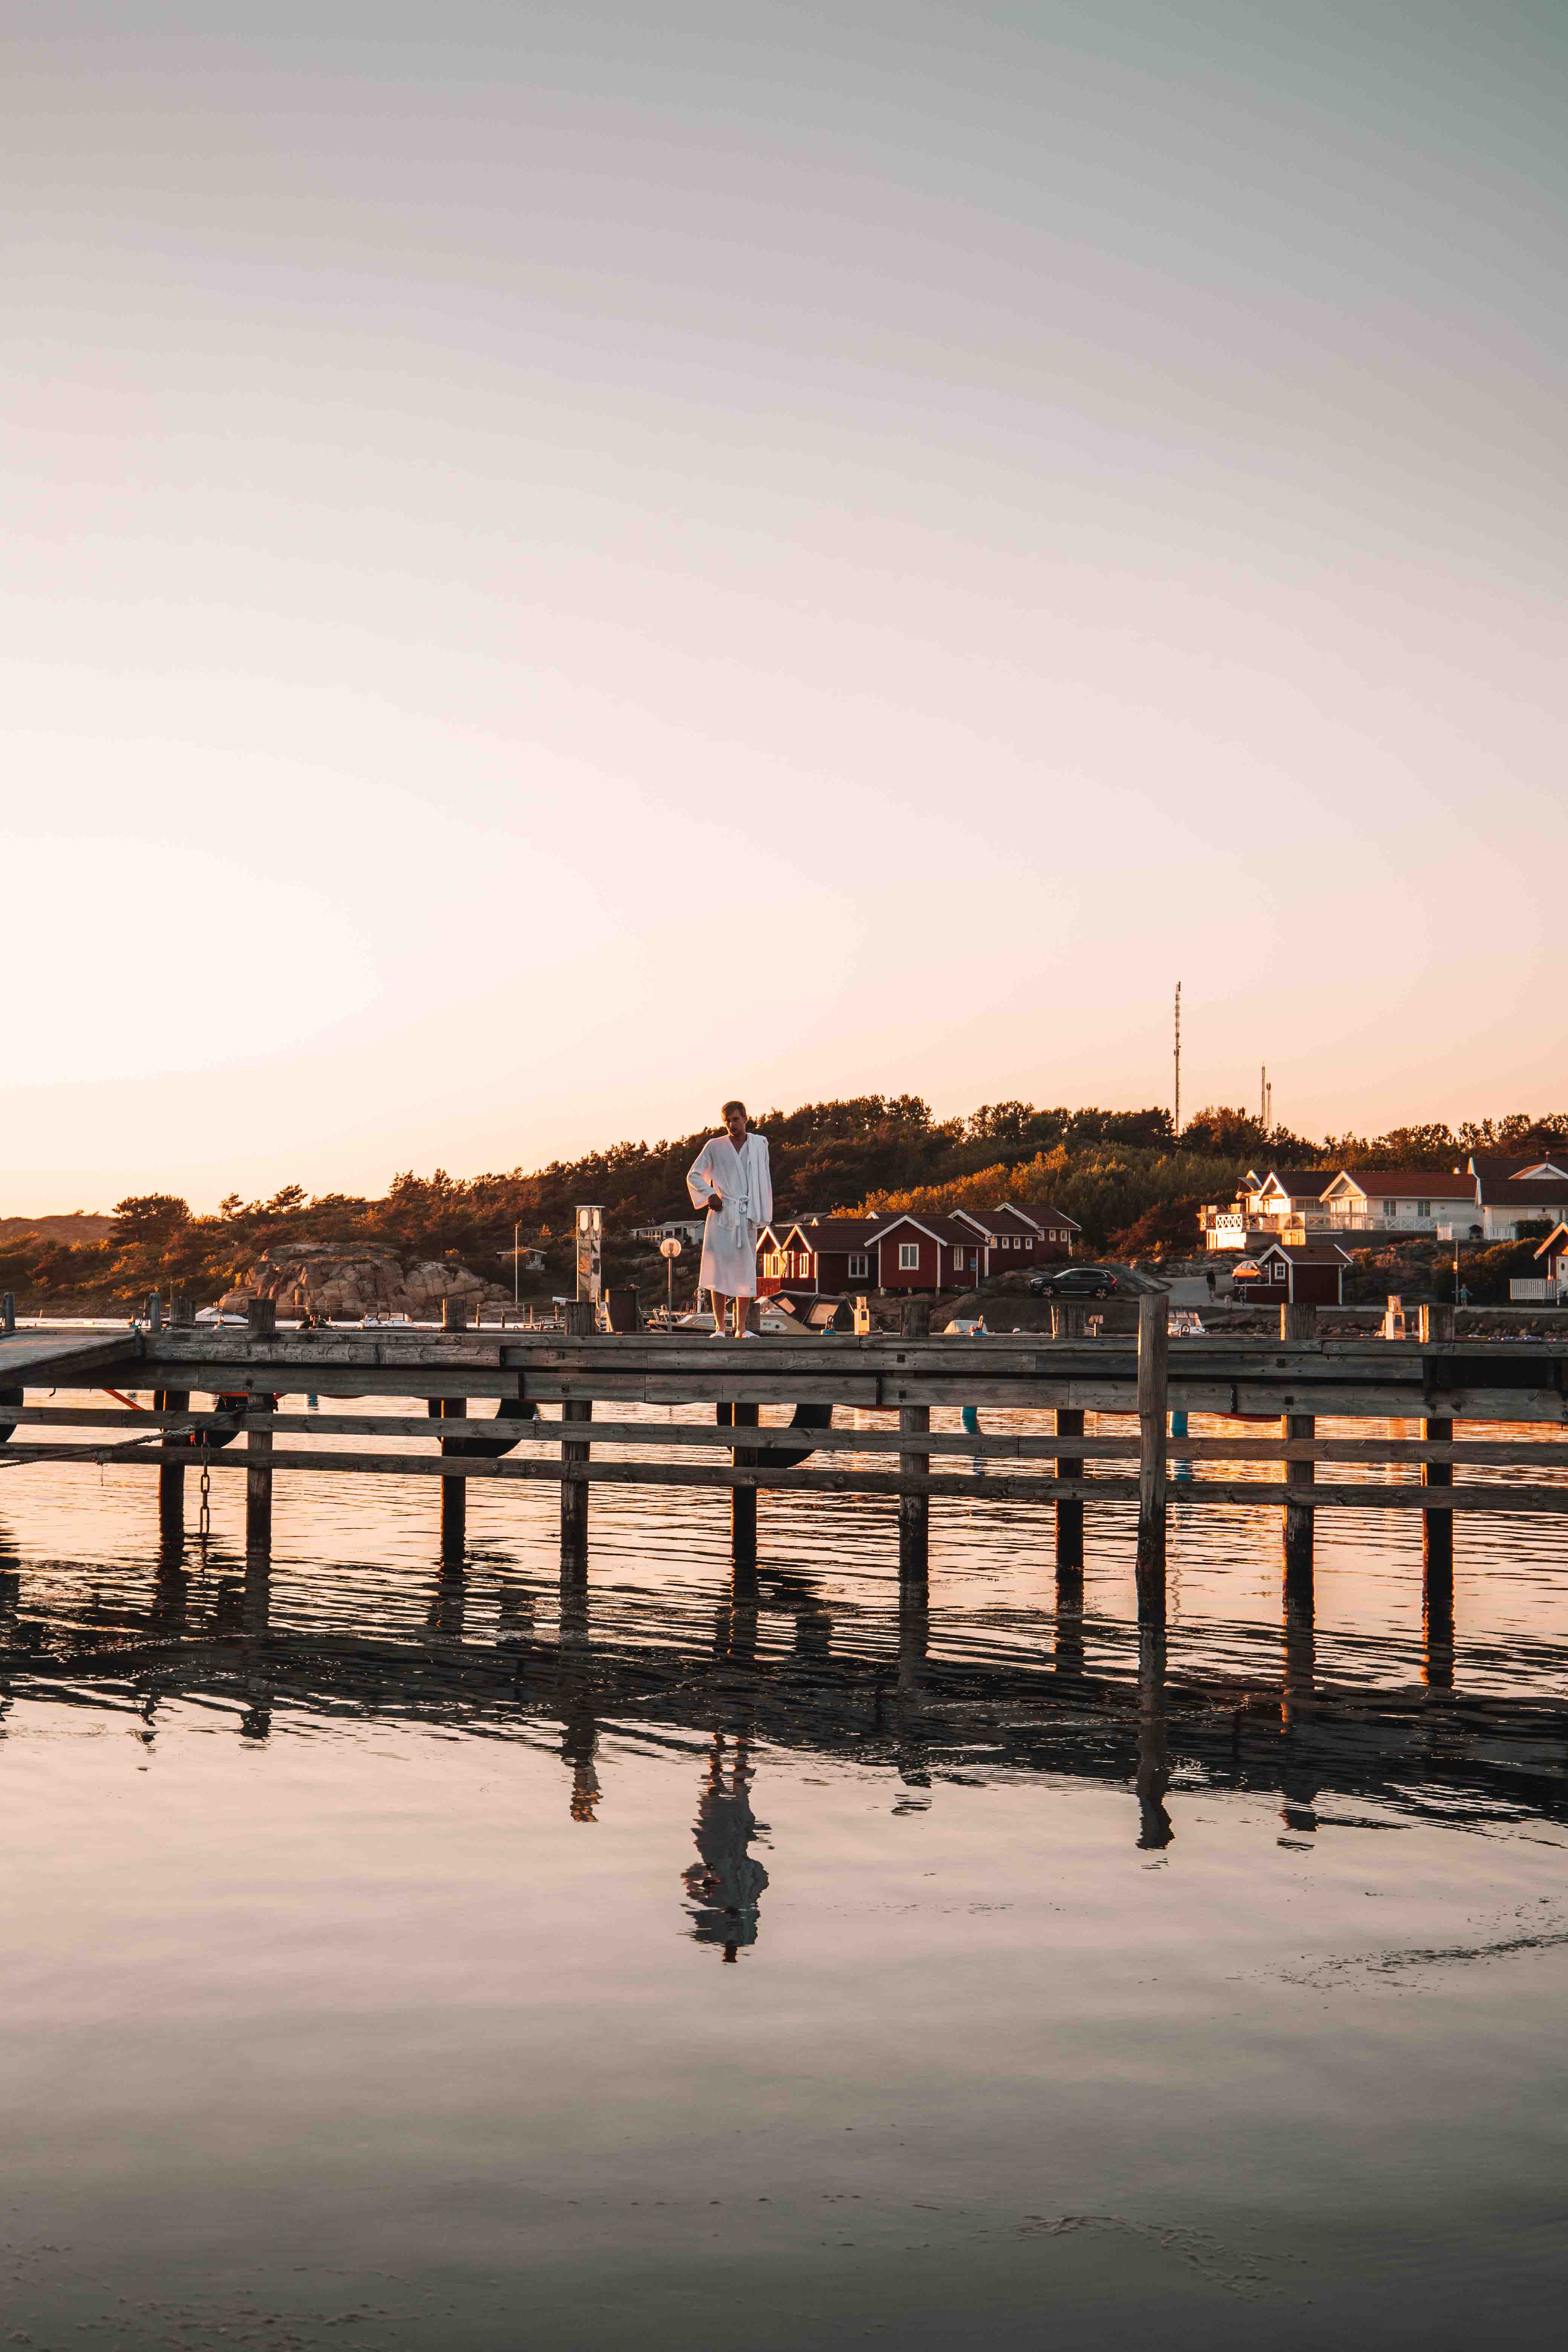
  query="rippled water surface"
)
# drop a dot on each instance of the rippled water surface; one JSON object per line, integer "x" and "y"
{"x": 471, "y": 1958}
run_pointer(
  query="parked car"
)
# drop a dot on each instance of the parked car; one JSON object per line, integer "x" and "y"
{"x": 1076, "y": 1282}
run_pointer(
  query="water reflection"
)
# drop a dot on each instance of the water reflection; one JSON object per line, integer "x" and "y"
{"x": 725, "y": 1884}
{"x": 917, "y": 1676}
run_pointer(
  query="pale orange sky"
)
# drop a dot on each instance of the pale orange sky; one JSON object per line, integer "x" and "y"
{"x": 561, "y": 572}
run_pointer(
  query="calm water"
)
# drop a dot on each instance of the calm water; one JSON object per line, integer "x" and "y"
{"x": 434, "y": 1960}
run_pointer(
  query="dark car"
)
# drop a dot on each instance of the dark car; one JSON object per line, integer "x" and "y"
{"x": 1076, "y": 1282}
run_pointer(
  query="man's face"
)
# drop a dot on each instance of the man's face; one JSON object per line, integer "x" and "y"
{"x": 735, "y": 1121}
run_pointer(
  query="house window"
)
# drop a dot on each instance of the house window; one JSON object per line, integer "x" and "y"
{"x": 908, "y": 1257}
{"x": 1390, "y": 1209}
{"x": 859, "y": 1266}
{"x": 1423, "y": 1208}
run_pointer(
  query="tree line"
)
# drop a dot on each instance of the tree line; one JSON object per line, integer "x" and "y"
{"x": 1130, "y": 1182}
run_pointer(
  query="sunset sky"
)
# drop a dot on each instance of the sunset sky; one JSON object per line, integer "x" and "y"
{"x": 564, "y": 563}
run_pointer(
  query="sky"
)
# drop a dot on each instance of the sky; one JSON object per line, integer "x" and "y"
{"x": 562, "y": 564}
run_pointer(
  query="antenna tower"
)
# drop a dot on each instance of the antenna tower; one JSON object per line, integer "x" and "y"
{"x": 1178, "y": 1058}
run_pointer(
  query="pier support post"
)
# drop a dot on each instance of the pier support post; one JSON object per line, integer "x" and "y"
{"x": 171, "y": 1474}
{"x": 1067, "y": 1323}
{"x": 578, "y": 1317}
{"x": 259, "y": 1473}
{"x": 914, "y": 1511}
{"x": 1153, "y": 1406}
{"x": 1437, "y": 1534}
{"x": 1297, "y": 1325}
{"x": 454, "y": 1491}
{"x": 743, "y": 1499}
{"x": 1298, "y": 1537}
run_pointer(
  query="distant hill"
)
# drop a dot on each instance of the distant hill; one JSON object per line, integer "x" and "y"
{"x": 80, "y": 1225}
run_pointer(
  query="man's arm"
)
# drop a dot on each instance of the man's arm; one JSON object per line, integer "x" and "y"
{"x": 705, "y": 1194}
{"x": 764, "y": 1183}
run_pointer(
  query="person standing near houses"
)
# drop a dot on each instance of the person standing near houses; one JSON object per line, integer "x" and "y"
{"x": 731, "y": 1183}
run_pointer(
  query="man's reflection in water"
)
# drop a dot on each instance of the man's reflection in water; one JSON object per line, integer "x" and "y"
{"x": 726, "y": 1885}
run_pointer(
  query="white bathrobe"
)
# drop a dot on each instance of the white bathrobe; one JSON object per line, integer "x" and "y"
{"x": 742, "y": 1181}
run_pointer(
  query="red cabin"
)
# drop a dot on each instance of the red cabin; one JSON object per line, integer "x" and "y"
{"x": 826, "y": 1254}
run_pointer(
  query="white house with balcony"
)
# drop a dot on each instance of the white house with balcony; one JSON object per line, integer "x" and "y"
{"x": 1271, "y": 1201}
{"x": 1519, "y": 1195}
{"x": 1391, "y": 1201}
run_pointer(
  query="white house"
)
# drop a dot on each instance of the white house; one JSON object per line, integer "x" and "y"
{"x": 676, "y": 1228}
{"x": 1519, "y": 1192}
{"x": 1389, "y": 1201}
{"x": 1271, "y": 1200}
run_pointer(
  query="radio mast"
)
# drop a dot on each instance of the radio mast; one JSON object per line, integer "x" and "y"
{"x": 1178, "y": 1059}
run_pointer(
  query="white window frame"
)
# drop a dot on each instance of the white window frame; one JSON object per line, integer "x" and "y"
{"x": 908, "y": 1257}
{"x": 1423, "y": 1208}
{"x": 859, "y": 1265}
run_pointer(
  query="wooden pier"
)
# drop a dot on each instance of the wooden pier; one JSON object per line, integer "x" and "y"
{"x": 555, "y": 1396}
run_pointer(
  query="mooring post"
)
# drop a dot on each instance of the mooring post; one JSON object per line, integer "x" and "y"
{"x": 1437, "y": 1528}
{"x": 454, "y": 1491}
{"x": 577, "y": 1315}
{"x": 259, "y": 1472}
{"x": 1067, "y": 1323}
{"x": 743, "y": 1499}
{"x": 171, "y": 1474}
{"x": 1153, "y": 1405}
{"x": 7, "y": 1312}
{"x": 183, "y": 1311}
{"x": 914, "y": 1511}
{"x": 261, "y": 1318}
{"x": 1297, "y": 1326}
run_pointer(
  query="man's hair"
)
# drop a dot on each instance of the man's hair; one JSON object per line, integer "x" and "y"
{"x": 725, "y": 1108}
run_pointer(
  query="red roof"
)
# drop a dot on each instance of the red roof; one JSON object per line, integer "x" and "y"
{"x": 947, "y": 1229}
{"x": 831, "y": 1233}
{"x": 1006, "y": 1218}
{"x": 1305, "y": 1253}
{"x": 1421, "y": 1183}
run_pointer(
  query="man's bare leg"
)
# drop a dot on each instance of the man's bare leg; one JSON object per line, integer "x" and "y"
{"x": 721, "y": 1309}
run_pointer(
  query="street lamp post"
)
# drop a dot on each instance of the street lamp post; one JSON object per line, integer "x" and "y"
{"x": 670, "y": 1250}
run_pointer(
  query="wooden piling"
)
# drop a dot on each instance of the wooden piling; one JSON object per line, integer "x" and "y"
{"x": 261, "y": 1318}
{"x": 577, "y": 1315}
{"x": 1067, "y": 1323}
{"x": 171, "y": 1474}
{"x": 1297, "y": 1326}
{"x": 454, "y": 1491}
{"x": 7, "y": 1312}
{"x": 1437, "y": 1532}
{"x": 258, "y": 1470}
{"x": 1154, "y": 1407}
{"x": 743, "y": 1499}
{"x": 914, "y": 1511}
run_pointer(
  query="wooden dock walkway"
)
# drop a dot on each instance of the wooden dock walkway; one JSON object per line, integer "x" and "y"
{"x": 581, "y": 1374}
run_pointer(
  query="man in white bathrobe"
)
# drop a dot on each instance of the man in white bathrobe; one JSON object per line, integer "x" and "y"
{"x": 730, "y": 1180}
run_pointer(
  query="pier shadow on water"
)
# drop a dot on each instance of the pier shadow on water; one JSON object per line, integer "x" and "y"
{"x": 503, "y": 1952}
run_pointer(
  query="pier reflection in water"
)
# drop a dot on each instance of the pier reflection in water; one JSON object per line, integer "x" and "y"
{"x": 590, "y": 1948}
